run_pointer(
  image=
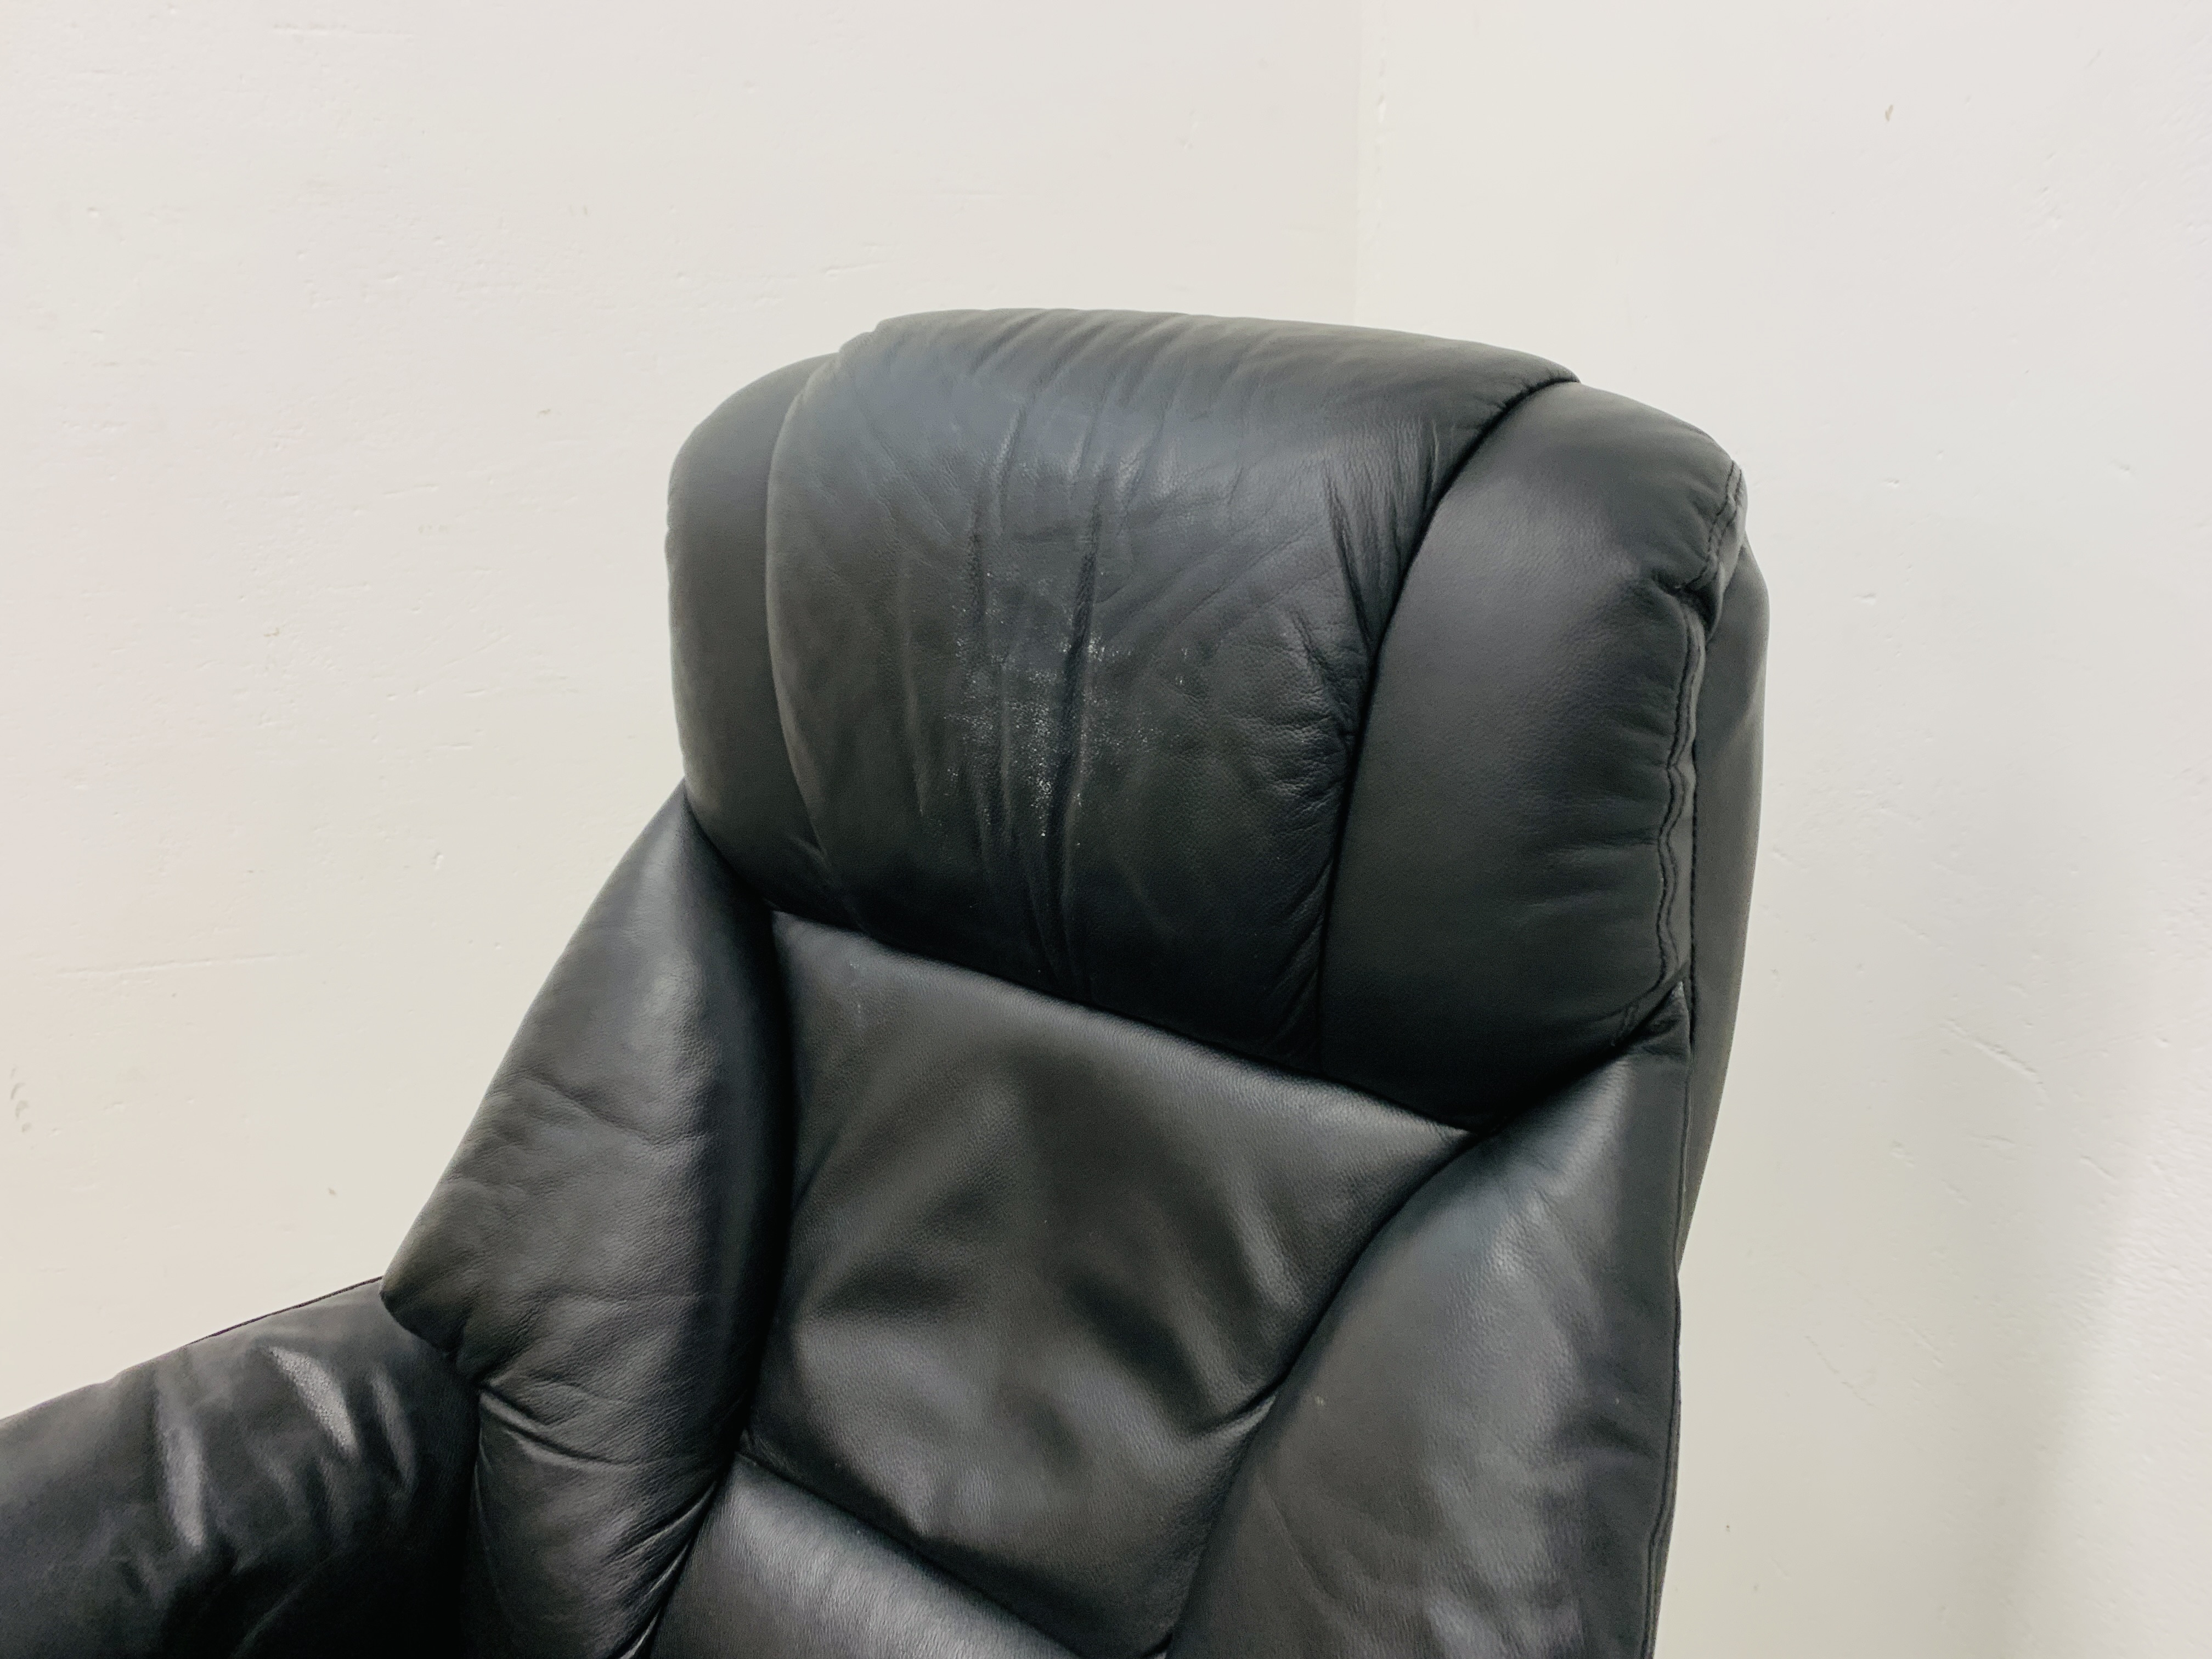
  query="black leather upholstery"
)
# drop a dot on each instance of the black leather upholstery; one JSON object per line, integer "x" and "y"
{"x": 1047, "y": 1267}
{"x": 294, "y": 1486}
{"x": 599, "y": 1261}
{"x": 1144, "y": 1096}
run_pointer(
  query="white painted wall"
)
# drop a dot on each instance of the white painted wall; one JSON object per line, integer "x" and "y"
{"x": 341, "y": 363}
{"x": 343, "y": 351}
{"x": 1939, "y": 272}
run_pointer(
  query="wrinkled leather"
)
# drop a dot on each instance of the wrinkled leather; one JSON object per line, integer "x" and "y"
{"x": 777, "y": 1571}
{"x": 1071, "y": 617}
{"x": 1144, "y": 1097}
{"x": 1513, "y": 898}
{"x": 1474, "y": 1455}
{"x": 599, "y": 1260}
{"x": 1047, "y": 1267}
{"x": 294, "y": 1486}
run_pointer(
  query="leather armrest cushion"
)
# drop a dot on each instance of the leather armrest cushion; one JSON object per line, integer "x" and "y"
{"x": 295, "y": 1484}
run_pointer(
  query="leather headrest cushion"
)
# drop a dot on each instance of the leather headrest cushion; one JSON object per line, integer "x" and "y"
{"x": 1047, "y": 644}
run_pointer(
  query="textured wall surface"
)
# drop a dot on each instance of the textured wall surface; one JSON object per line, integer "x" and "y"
{"x": 1939, "y": 276}
{"x": 343, "y": 357}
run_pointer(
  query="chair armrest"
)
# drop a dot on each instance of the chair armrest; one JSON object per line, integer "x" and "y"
{"x": 295, "y": 1484}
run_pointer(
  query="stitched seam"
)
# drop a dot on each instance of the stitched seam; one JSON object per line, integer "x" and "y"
{"x": 1663, "y": 1519}
{"x": 1706, "y": 590}
{"x": 1730, "y": 509}
{"x": 1670, "y": 971}
{"x": 1679, "y": 750}
{"x": 1689, "y": 982}
{"x": 1708, "y": 579}
{"x": 1319, "y": 979}
{"x": 1662, "y": 1522}
{"x": 1680, "y": 794}
{"x": 255, "y": 1319}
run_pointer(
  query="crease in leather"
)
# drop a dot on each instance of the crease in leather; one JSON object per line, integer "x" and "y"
{"x": 1706, "y": 594}
{"x": 1054, "y": 361}
{"x": 293, "y": 1484}
{"x": 891, "y": 1542}
{"x": 1376, "y": 637}
{"x": 1352, "y": 1560}
{"x": 1265, "y": 1401}
{"x": 1379, "y": 637}
{"x": 1682, "y": 791}
{"x": 599, "y": 1257}
{"x": 928, "y": 1094}
{"x": 860, "y": 1593}
{"x": 1518, "y": 804}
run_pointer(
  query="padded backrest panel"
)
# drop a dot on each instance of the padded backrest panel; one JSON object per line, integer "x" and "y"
{"x": 1047, "y": 644}
{"x": 1046, "y": 1268}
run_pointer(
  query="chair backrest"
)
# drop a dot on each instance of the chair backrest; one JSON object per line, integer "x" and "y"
{"x": 1145, "y": 1094}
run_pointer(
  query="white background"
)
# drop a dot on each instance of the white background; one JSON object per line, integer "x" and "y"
{"x": 342, "y": 360}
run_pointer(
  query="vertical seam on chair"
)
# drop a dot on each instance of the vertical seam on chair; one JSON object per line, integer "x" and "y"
{"x": 1681, "y": 794}
{"x": 1731, "y": 497}
{"x": 1731, "y": 511}
{"x": 1641, "y": 1006}
{"x": 327, "y": 1296}
{"x": 1653, "y": 1568}
{"x": 1698, "y": 622}
{"x": 1452, "y": 475}
{"x": 1663, "y": 1517}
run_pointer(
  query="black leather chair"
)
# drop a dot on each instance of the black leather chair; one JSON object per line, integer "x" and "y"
{"x": 1144, "y": 1095}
